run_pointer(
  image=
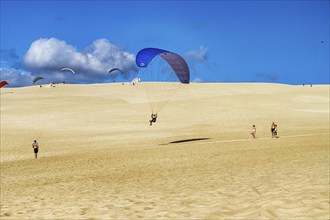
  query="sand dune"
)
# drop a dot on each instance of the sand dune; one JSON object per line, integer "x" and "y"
{"x": 100, "y": 159}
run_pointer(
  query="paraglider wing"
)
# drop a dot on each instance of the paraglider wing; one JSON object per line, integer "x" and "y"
{"x": 116, "y": 69}
{"x": 3, "y": 83}
{"x": 164, "y": 72}
{"x": 68, "y": 69}
{"x": 177, "y": 63}
{"x": 145, "y": 55}
{"x": 37, "y": 79}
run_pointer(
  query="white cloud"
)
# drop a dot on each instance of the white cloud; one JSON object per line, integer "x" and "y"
{"x": 48, "y": 56}
{"x": 198, "y": 62}
{"x": 197, "y": 55}
{"x": 197, "y": 80}
{"x": 16, "y": 77}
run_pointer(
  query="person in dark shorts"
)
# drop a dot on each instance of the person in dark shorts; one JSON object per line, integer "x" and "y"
{"x": 273, "y": 129}
{"x": 275, "y": 132}
{"x": 35, "y": 147}
{"x": 153, "y": 118}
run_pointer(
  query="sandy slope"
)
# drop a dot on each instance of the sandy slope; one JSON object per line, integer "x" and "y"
{"x": 100, "y": 159}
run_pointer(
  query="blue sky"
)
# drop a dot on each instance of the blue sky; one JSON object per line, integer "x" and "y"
{"x": 222, "y": 41}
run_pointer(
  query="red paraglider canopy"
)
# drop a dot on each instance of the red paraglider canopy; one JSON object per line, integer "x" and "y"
{"x": 3, "y": 83}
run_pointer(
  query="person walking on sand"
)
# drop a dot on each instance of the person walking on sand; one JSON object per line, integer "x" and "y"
{"x": 275, "y": 131}
{"x": 272, "y": 129}
{"x": 35, "y": 147}
{"x": 254, "y": 131}
{"x": 153, "y": 118}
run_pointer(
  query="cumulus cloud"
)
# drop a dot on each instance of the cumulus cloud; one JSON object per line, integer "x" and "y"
{"x": 48, "y": 56}
{"x": 16, "y": 77}
{"x": 198, "y": 63}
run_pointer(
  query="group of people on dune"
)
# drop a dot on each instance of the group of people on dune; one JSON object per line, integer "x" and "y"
{"x": 153, "y": 119}
{"x": 273, "y": 130}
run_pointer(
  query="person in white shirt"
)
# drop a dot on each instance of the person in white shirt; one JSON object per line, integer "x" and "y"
{"x": 254, "y": 131}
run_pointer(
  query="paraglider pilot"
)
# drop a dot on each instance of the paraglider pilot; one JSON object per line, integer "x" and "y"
{"x": 153, "y": 118}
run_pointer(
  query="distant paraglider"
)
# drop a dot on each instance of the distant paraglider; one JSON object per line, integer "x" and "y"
{"x": 3, "y": 83}
{"x": 116, "y": 69}
{"x": 36, "y": 79}
{"x": 68, "y": 69}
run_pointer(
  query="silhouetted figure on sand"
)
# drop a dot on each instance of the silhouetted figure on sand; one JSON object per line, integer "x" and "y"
{"x": 35, "y": 147}
{"x": 274, "y": 130}
{"x": 153, "y": 118}
{"x": 254, "y": 131}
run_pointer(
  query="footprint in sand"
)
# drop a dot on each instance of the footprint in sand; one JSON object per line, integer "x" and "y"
{"x": 256, "y": 190}
{"x": 8, "y": 214}
{"x": 110, "y": 206}
{"x": 147, "y": 208}
{"x": 84, "y": 211}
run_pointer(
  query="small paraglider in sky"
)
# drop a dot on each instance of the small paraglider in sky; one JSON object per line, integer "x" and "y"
{"x": 115, "y": 69}
{"x": 36, "y": 79}
{"x": 68, "y": 69}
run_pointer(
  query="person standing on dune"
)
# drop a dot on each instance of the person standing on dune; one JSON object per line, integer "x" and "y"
{"x": 153, "y": 118}
{"x": 35, "y": 147}
{"x": 272, "y": 129}
{"x": 275, "y": 132}
{"x": 254, "y": 131}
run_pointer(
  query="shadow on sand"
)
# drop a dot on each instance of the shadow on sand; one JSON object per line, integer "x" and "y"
{"x": 186, "y": 140}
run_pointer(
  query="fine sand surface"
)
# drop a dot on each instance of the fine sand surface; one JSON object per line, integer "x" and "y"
{"x": 100, "y": 159}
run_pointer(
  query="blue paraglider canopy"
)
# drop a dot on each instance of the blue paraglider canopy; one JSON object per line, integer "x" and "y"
{"x": 178, "y": 64}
